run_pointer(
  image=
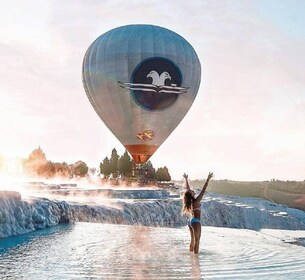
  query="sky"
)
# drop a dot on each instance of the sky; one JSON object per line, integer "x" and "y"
{"x": 246, "y": 123}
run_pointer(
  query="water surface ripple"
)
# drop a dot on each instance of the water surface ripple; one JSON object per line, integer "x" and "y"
{"x": 103, "y": 251}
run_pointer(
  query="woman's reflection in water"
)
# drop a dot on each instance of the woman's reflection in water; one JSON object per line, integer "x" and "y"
{"x": 196, "y": 271}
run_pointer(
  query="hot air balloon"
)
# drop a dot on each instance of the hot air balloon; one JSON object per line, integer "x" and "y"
{"x": 141, "y": 80}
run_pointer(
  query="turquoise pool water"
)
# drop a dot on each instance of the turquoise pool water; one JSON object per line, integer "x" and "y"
{"x": 104, "y": 251}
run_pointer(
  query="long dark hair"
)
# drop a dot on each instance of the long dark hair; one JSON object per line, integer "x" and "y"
{"x": 188, "y": 198}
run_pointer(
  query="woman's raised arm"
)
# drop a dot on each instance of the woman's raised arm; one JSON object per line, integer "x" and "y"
{"x": 200, "y": 196}
{"x": 187, "y": 186}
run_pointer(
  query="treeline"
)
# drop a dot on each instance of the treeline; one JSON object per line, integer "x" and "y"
{"x": 124, "y": 167}
{"x": 113, "y": 167}
{"x": 38, "y": 165}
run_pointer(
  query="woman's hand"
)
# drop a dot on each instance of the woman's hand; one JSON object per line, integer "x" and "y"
{"x": 210, "y": 176}
{"x": 185, "y": 176}
{"x": 200, "y": 196}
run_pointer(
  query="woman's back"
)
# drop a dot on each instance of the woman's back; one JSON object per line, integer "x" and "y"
{"x": 196, "y": 210}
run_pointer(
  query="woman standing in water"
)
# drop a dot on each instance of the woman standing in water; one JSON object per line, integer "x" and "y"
{"x": 191, "y": 206}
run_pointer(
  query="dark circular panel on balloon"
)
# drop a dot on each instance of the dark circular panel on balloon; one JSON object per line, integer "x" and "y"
{"x": 152, "y": 79}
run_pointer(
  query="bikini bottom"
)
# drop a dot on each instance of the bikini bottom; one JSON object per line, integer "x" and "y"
{"x": 193, "y": 220}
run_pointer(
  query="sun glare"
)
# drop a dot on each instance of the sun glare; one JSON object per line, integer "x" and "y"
{"x": 10, "y": 174}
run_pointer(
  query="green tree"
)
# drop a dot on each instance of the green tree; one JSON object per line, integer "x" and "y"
{"x": 80, "y": 169}
{"x": 151, "y": 171}
{"x": 92, "y": 171}
{"x": 63, "y": 169}
{"x": 114, "y": 160}
{"x": 105, "y": 167}
{"x": 162, "y": 174}
{"x": 125, "y": 165}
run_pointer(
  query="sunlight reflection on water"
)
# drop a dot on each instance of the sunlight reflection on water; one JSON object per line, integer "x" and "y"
{"x": 103, "y": 251}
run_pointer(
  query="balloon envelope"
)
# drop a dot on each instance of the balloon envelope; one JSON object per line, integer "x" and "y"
{"x": 141, "y": 81}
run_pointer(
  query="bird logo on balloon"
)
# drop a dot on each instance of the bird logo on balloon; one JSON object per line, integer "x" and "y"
{"x": 157, "y": 85}
{"x": 155, "y": 89}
